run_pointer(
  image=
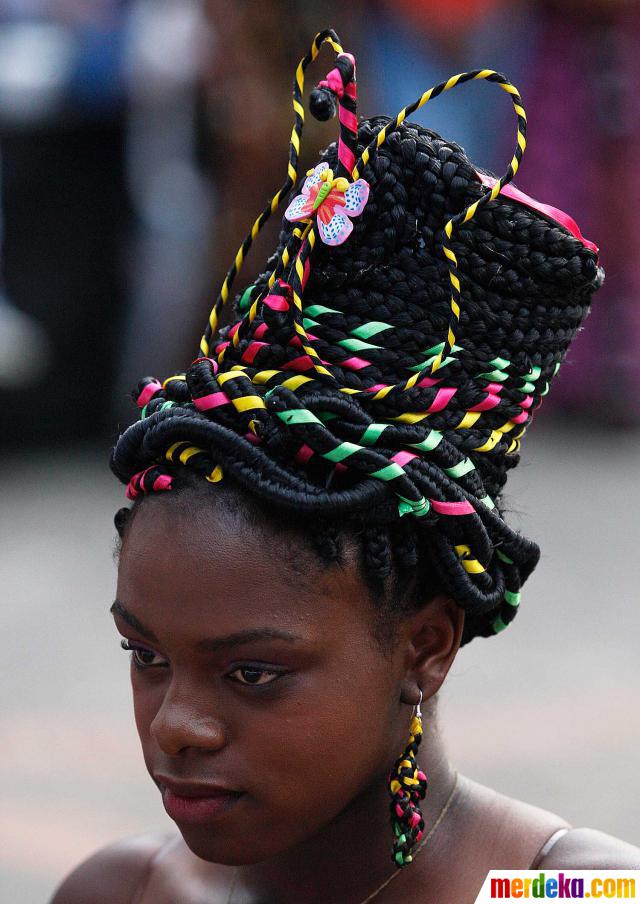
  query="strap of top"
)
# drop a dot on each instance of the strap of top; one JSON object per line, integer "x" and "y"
{"x": 546, "y": 847}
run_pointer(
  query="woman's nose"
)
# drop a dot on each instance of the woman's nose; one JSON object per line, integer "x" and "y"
{"x": 184, "y": 721}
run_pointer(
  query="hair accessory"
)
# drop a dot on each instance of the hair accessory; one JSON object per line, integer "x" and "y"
{"x": 407, "y": 786}
{"x": 147, "y": 389}
{"x": 553, "y": 213}
{"x": 383, "y": 368}
{"x": 150, "y": 480}
{"x": 334, "y": 201}
{"x": 339, "y": 84}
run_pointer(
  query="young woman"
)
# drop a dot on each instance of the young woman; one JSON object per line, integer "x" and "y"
{"x": 316, "y": 529}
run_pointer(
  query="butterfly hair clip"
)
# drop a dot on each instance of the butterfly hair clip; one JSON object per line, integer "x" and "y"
{"x": 334, "y": 200}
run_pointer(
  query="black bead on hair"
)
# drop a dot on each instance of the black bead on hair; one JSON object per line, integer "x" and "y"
{"x": 322, "y": 100}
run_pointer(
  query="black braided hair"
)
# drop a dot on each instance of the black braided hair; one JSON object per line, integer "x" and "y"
{"x": 375, "y": 309}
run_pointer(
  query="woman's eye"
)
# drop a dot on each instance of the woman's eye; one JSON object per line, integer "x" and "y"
{"x": 138, "y": 653}
{"x": 251, "y": 675}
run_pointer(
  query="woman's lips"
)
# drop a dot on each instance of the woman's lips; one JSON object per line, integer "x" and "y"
{"x": 198, "y": 809}
{"x": 197, "y": 805}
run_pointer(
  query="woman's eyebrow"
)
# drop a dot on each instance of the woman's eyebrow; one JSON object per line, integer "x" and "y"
{"x": 117, "y": 608}
{"x": 242, "y": 637}
{"x": 210, "y": 645}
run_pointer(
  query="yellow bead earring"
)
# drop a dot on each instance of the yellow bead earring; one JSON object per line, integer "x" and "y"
{"x": 407, "y": 786}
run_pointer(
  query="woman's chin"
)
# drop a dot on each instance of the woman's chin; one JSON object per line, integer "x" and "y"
{"x": 224, "y": 849}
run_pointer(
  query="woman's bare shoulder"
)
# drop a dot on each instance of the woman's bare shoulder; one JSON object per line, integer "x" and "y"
{"x": 582, "y": 848}
{"x": 112, "y": 874}
{"x": 526, "y": 836}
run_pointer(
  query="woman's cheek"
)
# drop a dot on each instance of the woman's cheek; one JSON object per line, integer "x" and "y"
{"x": 298, "y": 783}
{"x": 145, "y": 706}
{"x": 326, "y": 749}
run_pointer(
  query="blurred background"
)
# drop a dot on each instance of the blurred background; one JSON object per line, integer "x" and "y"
{"x": 138, "y": 140}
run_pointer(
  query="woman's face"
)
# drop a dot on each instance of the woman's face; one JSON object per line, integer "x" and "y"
{"x": 259, "y": 674}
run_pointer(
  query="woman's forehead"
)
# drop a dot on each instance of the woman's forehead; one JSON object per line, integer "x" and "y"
{"x": 184, "y": 563}
{"x": 236, "y": 525}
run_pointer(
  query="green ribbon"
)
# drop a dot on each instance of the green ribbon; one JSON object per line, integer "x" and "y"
{"x": 513, "y": 598}
{"x": 356, "y": 345}
{"x": 432, "y": 441}
{"x": 459, "y": 470}
{"x": 499, "y": 625}
{"x": 344, "y": 450}
{"x": 418, "y": 508}
{"x": 389, "y": 472}
{"x": 371, "y": 434}
{"x": 166, "y": 404}
{"x": 297, "y": 416}
{"x": 245, "y": 299}
{"x": 314, "y": 309}
{"x": 367, "y": 330}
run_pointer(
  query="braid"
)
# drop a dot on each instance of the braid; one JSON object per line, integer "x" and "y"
{"x": 377, "y": 552}
{"x": 380, "y": 388}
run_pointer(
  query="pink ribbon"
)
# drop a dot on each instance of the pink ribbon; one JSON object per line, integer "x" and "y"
{"x": 333, "y": 82}
{"x": 452, "y": 508}
{"x": 148, "y": 393}
{"x": 553, "y": 213}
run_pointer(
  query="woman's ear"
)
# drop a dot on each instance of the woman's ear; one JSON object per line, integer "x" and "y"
{"x": 433, "y": 638}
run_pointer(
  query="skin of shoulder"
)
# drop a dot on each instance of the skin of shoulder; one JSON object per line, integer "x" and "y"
{"x": 113, "y": 873}
{"x": 590, "y": 849}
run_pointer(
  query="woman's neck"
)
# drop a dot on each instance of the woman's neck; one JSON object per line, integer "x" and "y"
{"x": 351, "y": 856}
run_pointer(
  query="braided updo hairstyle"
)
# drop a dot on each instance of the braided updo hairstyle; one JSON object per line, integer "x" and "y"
{"x": 416, "y": 472}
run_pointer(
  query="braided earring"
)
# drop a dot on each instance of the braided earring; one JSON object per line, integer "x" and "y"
{"x": 407, "y": 786}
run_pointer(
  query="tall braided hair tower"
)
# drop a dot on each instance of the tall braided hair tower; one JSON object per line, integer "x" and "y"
{"x": 383, "y": 368}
